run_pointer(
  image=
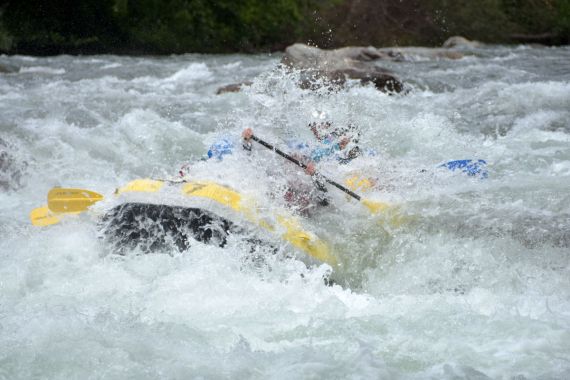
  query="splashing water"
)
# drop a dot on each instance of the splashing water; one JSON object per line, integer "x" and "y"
{"x": 473, "y": 284}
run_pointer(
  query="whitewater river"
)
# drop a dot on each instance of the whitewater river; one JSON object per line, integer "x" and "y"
{"x": 472, "y": 282}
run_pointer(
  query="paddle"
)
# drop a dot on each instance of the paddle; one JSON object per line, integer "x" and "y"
{"x": 74, "y": 201}
{"x": 65, "y": 200}
{"x": 42, "y": 216}
{"x": 374, "y": 207}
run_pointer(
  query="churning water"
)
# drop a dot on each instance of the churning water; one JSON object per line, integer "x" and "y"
{"x": 475, "y": 283}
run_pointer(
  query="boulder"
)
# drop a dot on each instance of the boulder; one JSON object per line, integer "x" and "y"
{"x": 461, "y": 42}
{"x": 334, "y": 67}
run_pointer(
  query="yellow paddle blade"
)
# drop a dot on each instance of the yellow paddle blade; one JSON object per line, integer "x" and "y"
{"x": 375, "y": 207}
{"x": 141, "y": 185}
{"x": 357, "y": 183}
{"x": 71, "y": 200}
{"x": 392, "y": 215}
{"x": 42, "y": 216}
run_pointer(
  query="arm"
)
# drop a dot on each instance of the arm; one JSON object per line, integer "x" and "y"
{"x": 318, "y": 180}
{"x": 315, "y": 131}
{"x": 318, "y": 129}
{"x": 246, "y": 135}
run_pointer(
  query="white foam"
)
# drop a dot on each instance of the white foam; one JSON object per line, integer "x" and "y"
{"x": 111, "y": 66}
{"x": 42, "y": 70}
{"x": 474, "y": 283}
{"x": 193, "y": 72}
{"x": 232, "y": 66}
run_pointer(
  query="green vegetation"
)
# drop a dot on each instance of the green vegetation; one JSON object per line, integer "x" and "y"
{"x": 221, "y": 26}
{"x": 431, "y": 22}
{"x": 206, "y": 26}
{"x": 55, "y": 26}
{"x": 541, "y": 17}
{"x": 545, "y": 21}
{"x": 153, "y": 26}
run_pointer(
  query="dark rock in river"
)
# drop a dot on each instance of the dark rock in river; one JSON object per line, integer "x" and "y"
{"x": 11, "y": 169}
{"x": 332, "y": 68}
{"x": 336, "y": 66}
{"x": 236, "y": 87}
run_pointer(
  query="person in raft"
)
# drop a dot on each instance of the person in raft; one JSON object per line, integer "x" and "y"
{"x": 337, "y": 143}
{"x": 340, "y": 143}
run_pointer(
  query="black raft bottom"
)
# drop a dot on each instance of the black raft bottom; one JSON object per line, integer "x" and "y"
{"x": 151, "y": 227}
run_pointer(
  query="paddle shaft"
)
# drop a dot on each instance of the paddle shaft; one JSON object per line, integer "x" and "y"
{"x": 299, "y": 163}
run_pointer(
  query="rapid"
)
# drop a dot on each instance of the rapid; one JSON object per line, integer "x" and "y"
{"x": 472, "y": 282}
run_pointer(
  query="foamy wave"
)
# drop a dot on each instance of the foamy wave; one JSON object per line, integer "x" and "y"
{"x": 544, "y": 120}
{"x": 194, "y": 72}
{"x": 42, "y": 70}
{"x": 111, "y": 66}
{"x": 475, "y": 264}
{"x": 233, "y": 65}
{"x": 547, "y": 95}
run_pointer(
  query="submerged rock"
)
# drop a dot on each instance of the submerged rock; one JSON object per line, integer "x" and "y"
{"x": 8, "y": 69}
{"x": 235, "y": 87}
{"x": 12, "y": 170}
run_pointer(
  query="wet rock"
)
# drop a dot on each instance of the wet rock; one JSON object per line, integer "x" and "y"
{"x": 11, "y": 170}
{"x": 8, "y": 69}
{"x": 381, "y": 80}
{"x": 236, "y": 87}
{"x": 461, "y": 42}
{"x": 301, "y": 56}
{"x": 334, "y": 67}
{"x": 420, "y": 53}
{"x": 315, "y": 79}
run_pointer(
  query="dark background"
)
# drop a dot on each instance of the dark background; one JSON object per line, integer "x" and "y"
{"x": 46, "y": 27}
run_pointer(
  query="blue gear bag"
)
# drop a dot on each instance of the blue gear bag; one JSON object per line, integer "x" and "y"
{"x": 220, "y": 148}
{"x": 469, "y": 167}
